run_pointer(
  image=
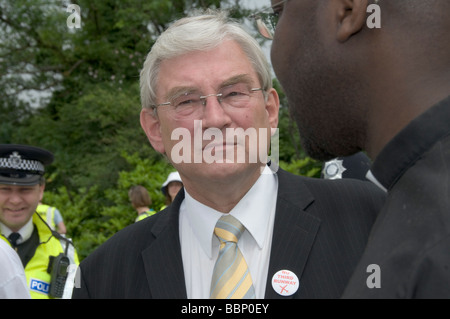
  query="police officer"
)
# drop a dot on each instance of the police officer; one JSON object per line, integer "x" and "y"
{"x": 45, "y": 255}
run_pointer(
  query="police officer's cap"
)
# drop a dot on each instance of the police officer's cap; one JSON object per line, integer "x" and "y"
{"x": 22, "y": 164}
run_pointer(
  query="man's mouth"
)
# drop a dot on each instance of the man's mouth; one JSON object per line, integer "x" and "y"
{"x": 218, "y": 146}
{"x": 14, "y": 211}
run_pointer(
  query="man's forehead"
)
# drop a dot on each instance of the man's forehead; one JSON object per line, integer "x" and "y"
{"x": 19, "y": 186}
{"x": 231, "y": 80}
{"x": 213, "y": 68}
{"x": 240, "y": 78}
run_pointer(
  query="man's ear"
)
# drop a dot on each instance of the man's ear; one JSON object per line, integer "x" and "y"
{"x": 351, "y": 17}
{"x": 273, "y": 107}
{"x": 152, "y": 128}
{"x": 41, "y": 191}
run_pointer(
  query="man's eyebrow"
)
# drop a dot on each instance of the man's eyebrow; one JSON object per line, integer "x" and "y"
{"x": 240, "y": 78}
{"x": 179, "y": 90}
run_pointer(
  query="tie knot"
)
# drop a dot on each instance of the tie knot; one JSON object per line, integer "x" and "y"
{"x": 13, "y": 238}
{"x": 228, "y": 229}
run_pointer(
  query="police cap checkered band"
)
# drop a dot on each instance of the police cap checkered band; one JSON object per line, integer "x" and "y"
{"x": 22, "y": 164}
{"x": 16, "y": 162}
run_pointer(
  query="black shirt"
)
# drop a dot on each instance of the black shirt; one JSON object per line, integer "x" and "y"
{"x": 409, "y": 244}
{"x": 411, "y": 143}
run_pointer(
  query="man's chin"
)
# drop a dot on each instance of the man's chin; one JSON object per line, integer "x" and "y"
{"x": 221, "y": 170}
{"x": 325, "y": 153}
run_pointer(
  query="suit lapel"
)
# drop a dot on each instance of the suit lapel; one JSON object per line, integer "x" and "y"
{"x": 294, "y": 230}
{"x": 162, "y": 259}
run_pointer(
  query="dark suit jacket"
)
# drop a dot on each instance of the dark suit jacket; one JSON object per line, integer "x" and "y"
{"x": 320, "y": 230}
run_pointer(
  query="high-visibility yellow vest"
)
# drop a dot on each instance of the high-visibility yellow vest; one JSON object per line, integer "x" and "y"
{"x": 145, "y": 215}
{"x": 38, "y": 279}
{"x": 48, "y": 214}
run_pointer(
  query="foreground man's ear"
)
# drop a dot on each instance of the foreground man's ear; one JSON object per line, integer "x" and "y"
{"x": 273, "y": 107}
{"x": 152, "y": 128}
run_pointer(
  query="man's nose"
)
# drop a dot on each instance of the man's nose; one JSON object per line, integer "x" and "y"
{"x": 14, "y": 197}
{"x": 214, "y": 113}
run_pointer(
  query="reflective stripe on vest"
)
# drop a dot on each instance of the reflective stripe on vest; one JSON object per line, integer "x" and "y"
{"x": 48, "y": 213}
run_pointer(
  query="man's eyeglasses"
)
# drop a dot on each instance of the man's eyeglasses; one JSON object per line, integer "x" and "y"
{"x": 190, "y": 105}
{"x": 267, "y": 19}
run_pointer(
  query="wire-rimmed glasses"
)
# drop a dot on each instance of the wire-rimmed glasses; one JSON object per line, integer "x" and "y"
{"x": 191, "y": 104}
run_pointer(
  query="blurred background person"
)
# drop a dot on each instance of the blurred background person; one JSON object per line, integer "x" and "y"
{"x": 171, "y": 187}
{"x": 141, "y": 201}
{"x": 53, "y": 217}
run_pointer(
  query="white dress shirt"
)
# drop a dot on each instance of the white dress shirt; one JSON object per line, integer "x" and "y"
{"x": 374, "y": 180}
{"x": 200, "y": 248}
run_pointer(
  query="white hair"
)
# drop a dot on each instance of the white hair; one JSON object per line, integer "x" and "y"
{"x": 201, "y": 32}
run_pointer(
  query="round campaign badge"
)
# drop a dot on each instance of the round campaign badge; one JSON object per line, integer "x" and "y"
{"x": 285, "y": 282}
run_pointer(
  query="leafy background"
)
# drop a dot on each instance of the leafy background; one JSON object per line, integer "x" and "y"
{"x": 76, "y": 93}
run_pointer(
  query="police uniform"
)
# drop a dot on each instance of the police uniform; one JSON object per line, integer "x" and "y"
{"x": 46, "y": 256}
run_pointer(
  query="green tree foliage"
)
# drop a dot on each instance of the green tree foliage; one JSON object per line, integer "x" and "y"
{"x": 87, "y": 109}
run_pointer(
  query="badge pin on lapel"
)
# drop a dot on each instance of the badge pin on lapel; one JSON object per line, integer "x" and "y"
{"x": 285, "y": 283}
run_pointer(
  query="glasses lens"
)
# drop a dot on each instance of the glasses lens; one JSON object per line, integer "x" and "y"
{"x": 236, "y": 95}
{"x": 267, "y": 19}
{"x": 187, "y": 105}
{"x": 263, "y": 28}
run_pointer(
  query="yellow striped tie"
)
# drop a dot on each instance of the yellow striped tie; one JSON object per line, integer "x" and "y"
{"x": 231, "y": 277}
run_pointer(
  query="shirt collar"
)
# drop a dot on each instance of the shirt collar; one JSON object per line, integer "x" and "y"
{"x": 25, "y": 232}
{"x": 257, "y": 202}
{"x": 409, "y": 145}
{"x": 374, "y": 180}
